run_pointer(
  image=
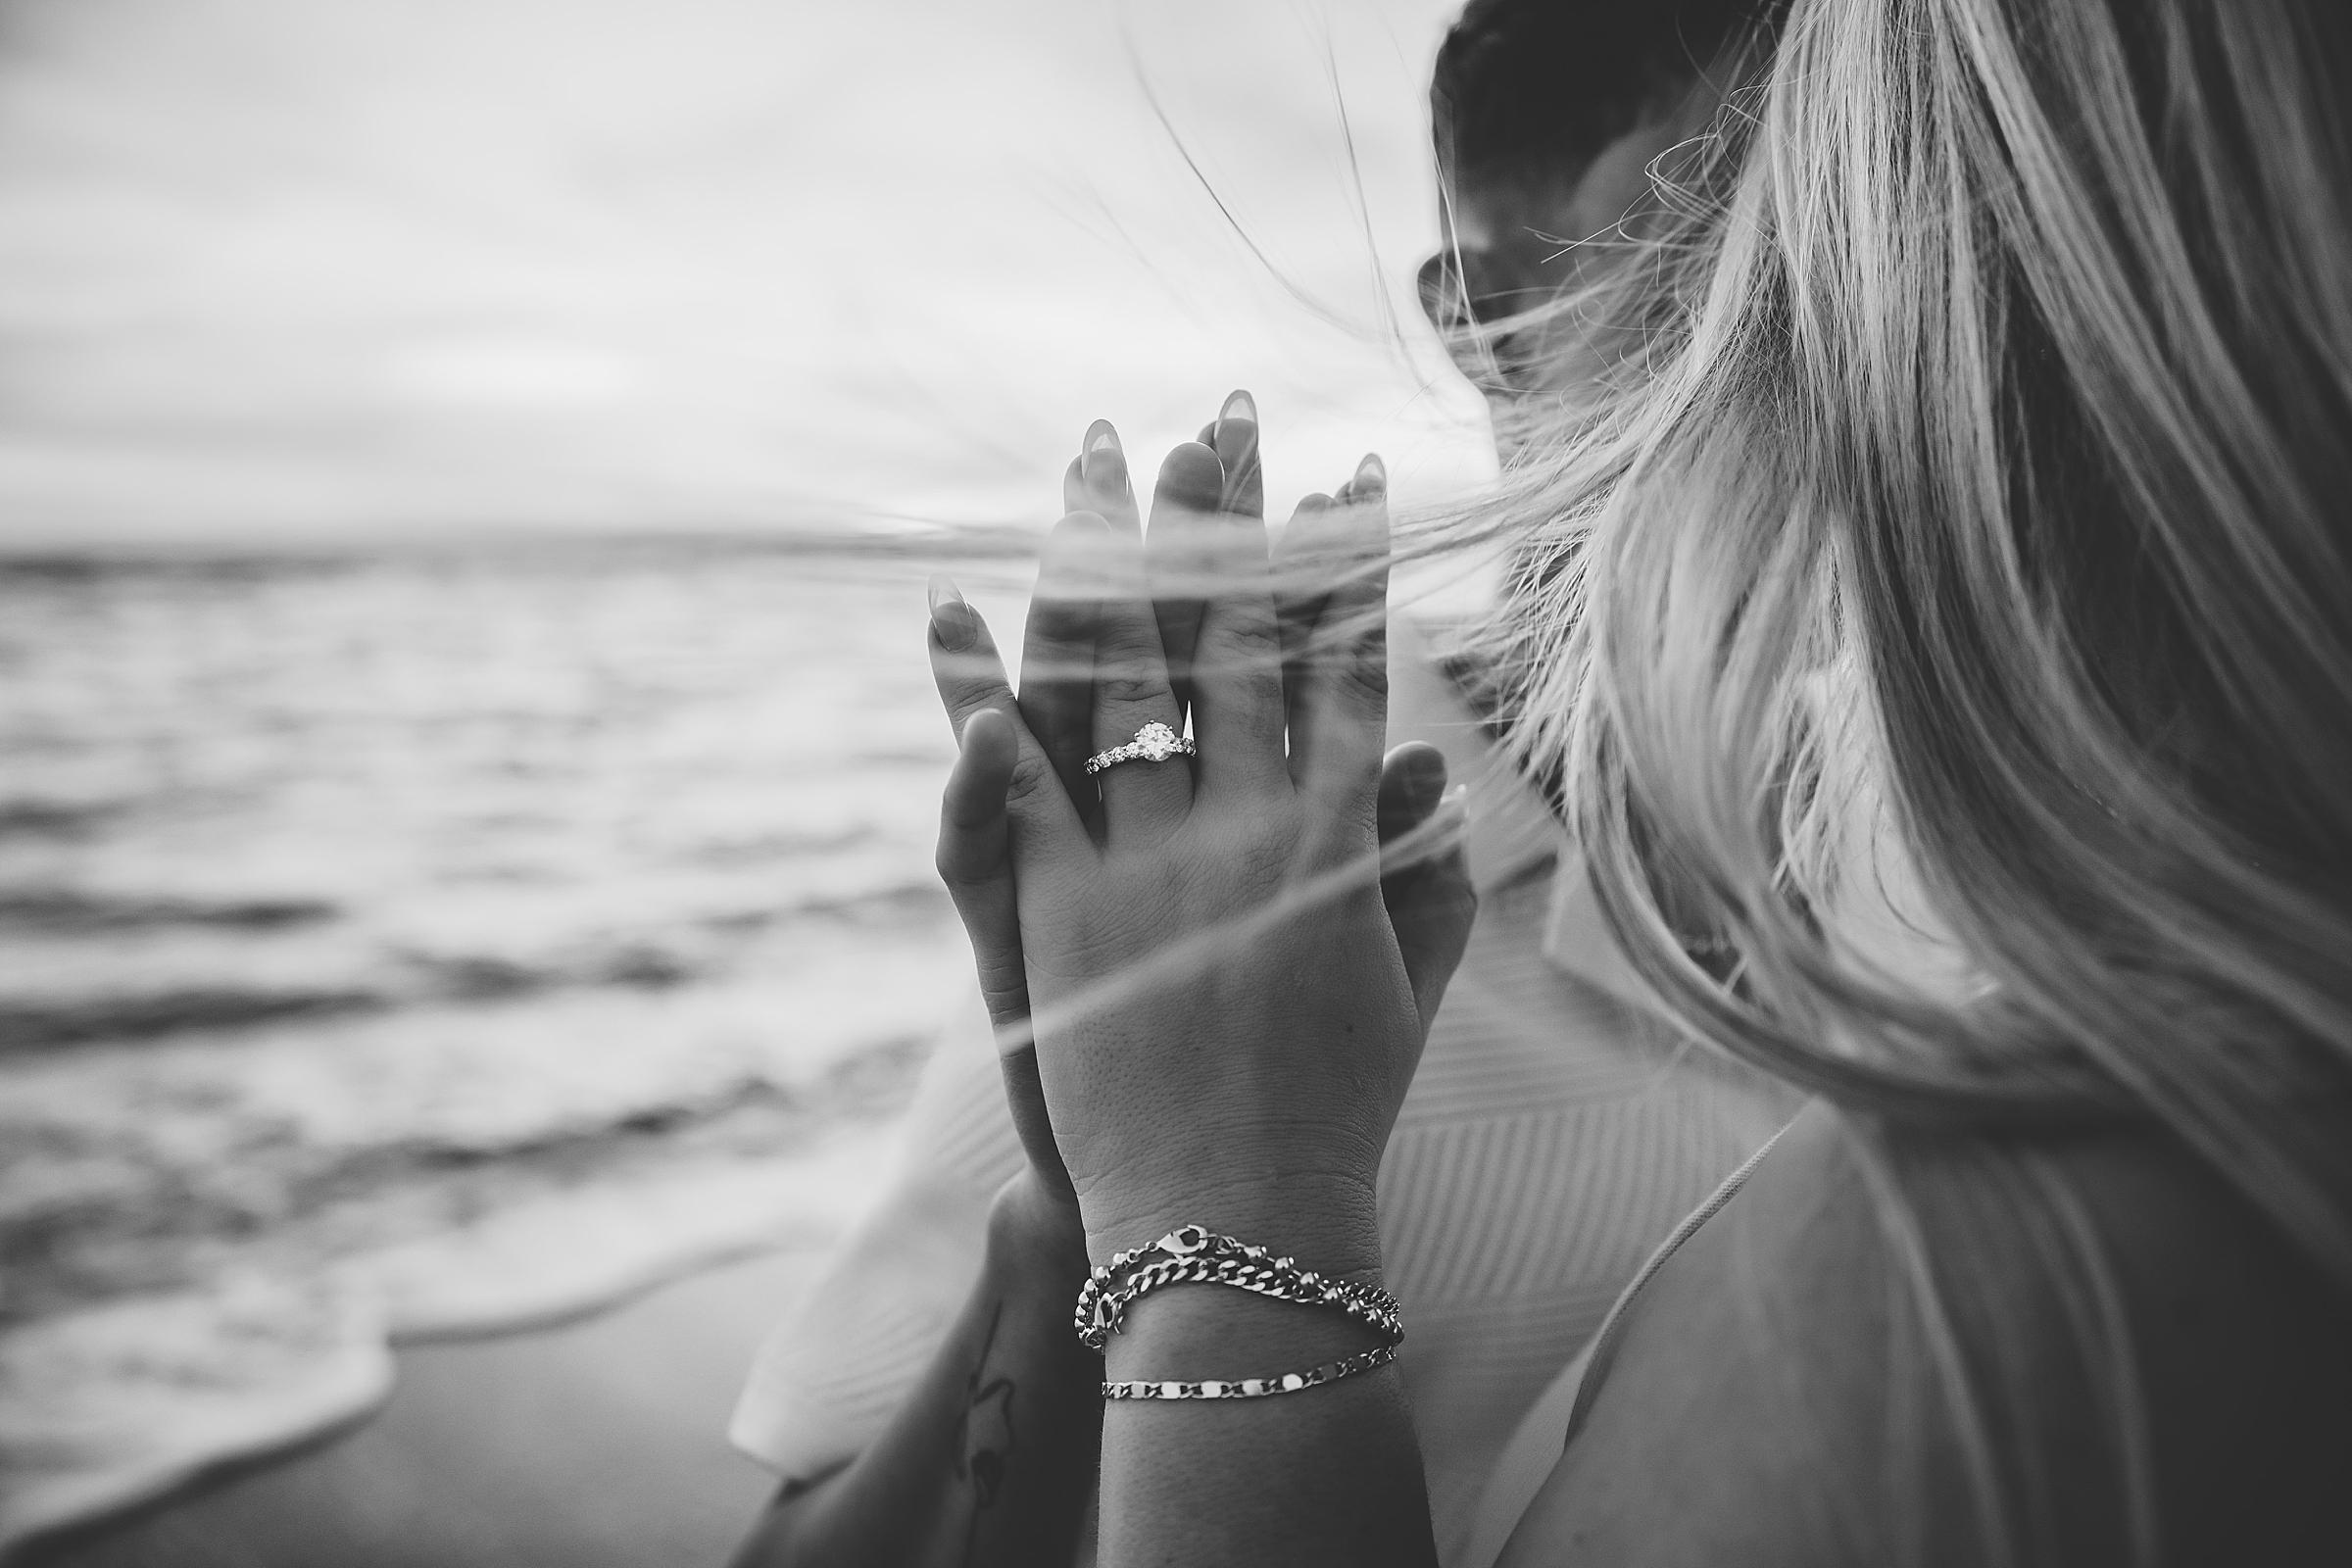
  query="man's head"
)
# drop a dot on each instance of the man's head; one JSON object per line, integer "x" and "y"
{"x": 1547, "y": 116}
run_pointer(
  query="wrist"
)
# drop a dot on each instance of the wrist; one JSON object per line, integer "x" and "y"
{"x": 1299, "y": 1325}
{"x": 1328, "y": 1223}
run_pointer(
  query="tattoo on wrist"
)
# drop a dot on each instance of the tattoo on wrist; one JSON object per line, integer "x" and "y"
{"x": 985, "y": 1438}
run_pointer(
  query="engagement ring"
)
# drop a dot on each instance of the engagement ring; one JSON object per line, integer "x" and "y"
{"x": 1153, "y": 743}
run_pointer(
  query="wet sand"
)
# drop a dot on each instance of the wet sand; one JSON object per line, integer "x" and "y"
{"x": 594, "y": 1443}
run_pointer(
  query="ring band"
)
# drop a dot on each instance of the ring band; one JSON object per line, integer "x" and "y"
{"x": 1153, "y": 743}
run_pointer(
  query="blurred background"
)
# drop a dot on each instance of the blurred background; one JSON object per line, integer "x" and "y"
{"x": 467, "y": 474}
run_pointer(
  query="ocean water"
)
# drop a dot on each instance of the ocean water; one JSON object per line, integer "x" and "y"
{"x": 400, "y": 944}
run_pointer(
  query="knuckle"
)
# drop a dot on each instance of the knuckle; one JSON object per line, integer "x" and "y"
{"x": 1128, "y": 688}
{"x": 1004, "y": 1007}
{"x": 1003, "y": 987}
{"x": 967, "y": 886}
{"x": 963, "y": 669}
{"x": 1261, "y": 684}
{"x": 962, "y": 864}
{"x": 1363, "y": 679}
{"x": 961, "y": 702}
{"x": 1245, "y": 643}
{"x": 1254, "y": 633}
{"x": 1032, "y": 775}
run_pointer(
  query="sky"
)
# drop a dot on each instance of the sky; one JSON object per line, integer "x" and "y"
{"x": 301, "y": 271}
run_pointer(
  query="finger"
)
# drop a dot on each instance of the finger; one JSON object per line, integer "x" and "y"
{"x": 1178, "y": 550}
{"x": 1234, "y": 440}
{"x": 1141, "y": 799}
{"x": 1431, "y": 902}
{"x": 1097, "y": 482}
{"x": 1412, "y": 783}
{"x": 1342, "y": 722}
{"x": 1057, "y": 654}
{"x": 1107, "y": 490}
{"x": 1302, "y": 586}
{"x": 1237, "y": 661}
{"x": 1424, "y": 873}
{"x": 970, "y": 677}
{"x": 974, "y": 859}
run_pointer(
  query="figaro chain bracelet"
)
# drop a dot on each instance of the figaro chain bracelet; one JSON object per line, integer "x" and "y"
{"x": 1195, "y": 1254}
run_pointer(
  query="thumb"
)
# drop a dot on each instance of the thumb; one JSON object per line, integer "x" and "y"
{"x": 1425, "y": 875}
{"x": 975, "y": 861}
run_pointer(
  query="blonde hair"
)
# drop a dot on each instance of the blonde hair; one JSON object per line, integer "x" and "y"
{"x": 1963, "y": 545}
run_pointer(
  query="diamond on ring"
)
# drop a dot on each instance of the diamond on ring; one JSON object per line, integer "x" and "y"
{"x": 1153, "y": 743}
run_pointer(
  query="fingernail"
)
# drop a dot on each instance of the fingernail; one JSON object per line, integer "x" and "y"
{"x": 1371, "y": 476}
{"x": 1102, "y": 461}
{"x": 952, "y": 621}
{"x": 1240, "y": 405}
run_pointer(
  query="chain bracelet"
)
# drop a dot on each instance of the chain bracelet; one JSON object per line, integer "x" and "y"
{"x": 1195, "y": 1254}
{"x": 1375, "y": 1310}
{"x": 1379, "y": 1355}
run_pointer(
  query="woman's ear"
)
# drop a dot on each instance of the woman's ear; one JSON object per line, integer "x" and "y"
{"x": 1460, "y": 292}
{"x": 1442, "y": 298}
{"x": 1461, "y": 288}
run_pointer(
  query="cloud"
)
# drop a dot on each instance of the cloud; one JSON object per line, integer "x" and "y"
{"x": 320, "y": 267}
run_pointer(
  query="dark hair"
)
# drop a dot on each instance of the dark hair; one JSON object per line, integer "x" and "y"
{"x": 1534, "y": 88}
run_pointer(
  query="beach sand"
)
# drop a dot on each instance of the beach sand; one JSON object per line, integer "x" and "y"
{"x": 599, "y": 1441}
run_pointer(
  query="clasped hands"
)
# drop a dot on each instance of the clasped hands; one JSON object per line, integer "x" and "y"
{"x": 1210, "y": 977}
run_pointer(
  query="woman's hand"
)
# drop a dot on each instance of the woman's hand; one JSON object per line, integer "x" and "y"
{"x": 1429, "y": 908}
{"x": 1224, "y": 1013}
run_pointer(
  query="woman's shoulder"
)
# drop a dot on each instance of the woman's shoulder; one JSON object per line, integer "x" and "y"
{"x": 1893, "y": 1336}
